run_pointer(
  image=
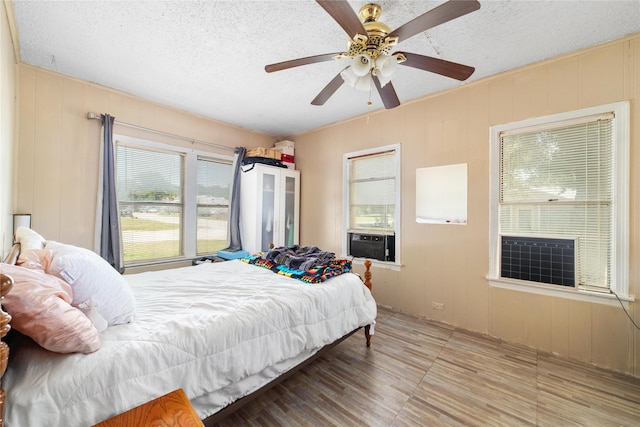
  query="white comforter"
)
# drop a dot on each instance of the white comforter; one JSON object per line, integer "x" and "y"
{"x": 218, "y": 331}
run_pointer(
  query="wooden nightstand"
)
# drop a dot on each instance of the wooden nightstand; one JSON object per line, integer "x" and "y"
{"x": 171, "y": 410}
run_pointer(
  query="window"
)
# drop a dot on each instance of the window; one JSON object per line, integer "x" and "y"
{"x": 173, "y": 202}
{"x": 214, "y": 192}
{"x": 372, "y": 203}
{"x": 559, "y": 201}
{"x": 150, "y": 197}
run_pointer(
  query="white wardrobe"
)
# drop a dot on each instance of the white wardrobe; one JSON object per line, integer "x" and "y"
{"x": 269, "y": 207}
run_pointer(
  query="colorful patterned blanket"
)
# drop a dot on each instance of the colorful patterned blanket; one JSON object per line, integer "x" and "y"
{"x": 307, "y": 264}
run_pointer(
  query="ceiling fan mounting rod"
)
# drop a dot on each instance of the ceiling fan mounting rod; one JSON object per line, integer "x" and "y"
{"x": 370, "y": 12}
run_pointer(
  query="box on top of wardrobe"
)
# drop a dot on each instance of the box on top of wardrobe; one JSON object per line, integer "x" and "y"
{"x": 285, "y": 143}
{"x": 264, "y": 152}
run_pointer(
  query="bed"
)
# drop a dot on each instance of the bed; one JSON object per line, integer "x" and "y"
{"x": 220, "y": 331}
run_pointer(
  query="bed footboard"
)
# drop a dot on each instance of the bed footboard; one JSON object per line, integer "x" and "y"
{"x": 367, "y": 283}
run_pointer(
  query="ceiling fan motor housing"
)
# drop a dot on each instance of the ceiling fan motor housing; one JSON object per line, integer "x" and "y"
{"x": 377, "y": 31}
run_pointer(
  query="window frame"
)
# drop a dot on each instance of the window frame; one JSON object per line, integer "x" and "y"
{"x": 397, "y": 208}
{"x": 619, "y": 283}
{"x": 190, "y": 191}
{"x": 211, "y": 205}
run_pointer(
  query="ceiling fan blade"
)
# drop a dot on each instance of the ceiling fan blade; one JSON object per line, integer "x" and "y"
{"x": 439, "y": 15}
{"x": 344, "y": 15}
{"x": 438, "y": 66}
{"x": 387, "y": 93}
{"x": 300, "y": 61}
{"x": 328, "y": 90}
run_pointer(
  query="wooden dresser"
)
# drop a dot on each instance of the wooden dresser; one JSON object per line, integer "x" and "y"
{"x": 171, "y": 410}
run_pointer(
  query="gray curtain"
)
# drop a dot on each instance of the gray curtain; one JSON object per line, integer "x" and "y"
{"x": 110, "y": 229}
{"x": 235, "y": 242}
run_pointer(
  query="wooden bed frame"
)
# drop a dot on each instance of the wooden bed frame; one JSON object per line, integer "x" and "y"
{"x": 213, "y": 419}
{"x": 6, "y": 283}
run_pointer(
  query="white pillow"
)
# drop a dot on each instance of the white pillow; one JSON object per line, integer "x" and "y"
{"x": 29, "y": 239}
{"x": 92, "y": 278}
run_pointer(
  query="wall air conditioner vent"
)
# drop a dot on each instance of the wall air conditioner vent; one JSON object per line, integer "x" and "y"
{"x": 538, "y": 259}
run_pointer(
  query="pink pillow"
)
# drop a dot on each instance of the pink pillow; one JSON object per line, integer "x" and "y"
{"x": 40, "y": 307}
{"x": 35, "y": 259}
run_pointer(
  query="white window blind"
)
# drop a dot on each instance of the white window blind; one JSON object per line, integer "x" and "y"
{"x": 557, "y": 181}
{"x": 150, "y": 197}
{"x": 372, "y": 192}
{"x": 214, "y": 193}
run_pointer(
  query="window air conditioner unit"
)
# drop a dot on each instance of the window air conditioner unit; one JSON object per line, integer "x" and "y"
{"x": 373, "y": 246}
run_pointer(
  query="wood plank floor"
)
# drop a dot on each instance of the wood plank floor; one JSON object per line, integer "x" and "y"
{"x": 418, "y": 373}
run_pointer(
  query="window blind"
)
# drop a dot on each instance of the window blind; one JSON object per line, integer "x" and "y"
{"x": 557, "y": 181}
{"x": 150, "y": 196}
{"x": 372, "y": 192}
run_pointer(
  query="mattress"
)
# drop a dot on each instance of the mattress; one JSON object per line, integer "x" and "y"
{"x": 218, "y": 331}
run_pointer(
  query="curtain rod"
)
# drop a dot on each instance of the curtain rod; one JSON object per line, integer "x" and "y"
{"x": 94, "y": 116}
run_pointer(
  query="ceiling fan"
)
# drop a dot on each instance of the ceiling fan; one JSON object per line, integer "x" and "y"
{"x": 370, "y": 45}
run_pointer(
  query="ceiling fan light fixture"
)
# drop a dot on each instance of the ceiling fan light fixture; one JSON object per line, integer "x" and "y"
{"x": 361, "y": 64}
{"x": 386, "y": 65}
{"x": 361, "y": 83}
{"x": 358, "y": 74}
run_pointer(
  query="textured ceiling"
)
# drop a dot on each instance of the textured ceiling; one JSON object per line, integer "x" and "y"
{"x": 208, "y": 57}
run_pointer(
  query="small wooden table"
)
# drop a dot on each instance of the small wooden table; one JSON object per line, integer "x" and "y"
{"x": 171, "y": 410}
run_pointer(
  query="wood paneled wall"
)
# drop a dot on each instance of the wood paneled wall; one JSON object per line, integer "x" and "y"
{"x": 449, "y": 264}
{"x": 58, "y": 148}
{"x": 8, "y": 113}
